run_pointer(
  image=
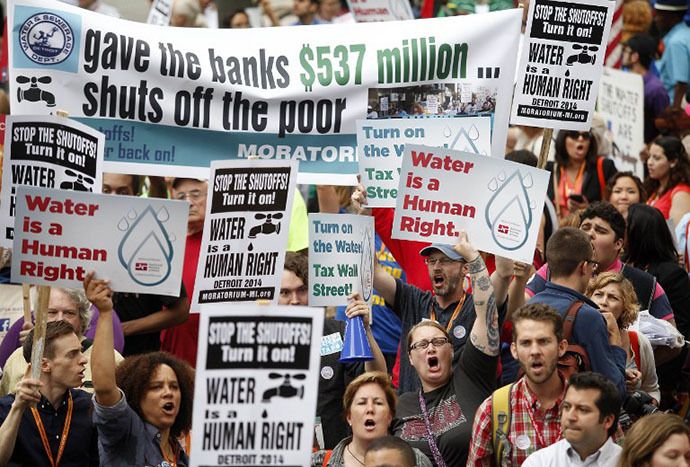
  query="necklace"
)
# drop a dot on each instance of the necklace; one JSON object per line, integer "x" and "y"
{"x": 352, "y": 454}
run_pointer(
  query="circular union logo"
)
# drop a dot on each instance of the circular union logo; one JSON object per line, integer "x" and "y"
{"x": 46, "y": 38}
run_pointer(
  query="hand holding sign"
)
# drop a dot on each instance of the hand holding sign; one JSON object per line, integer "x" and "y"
{"x": 27, "y": 391}
{"x": 98, "y": 292}
{"x": 465, "y": 248}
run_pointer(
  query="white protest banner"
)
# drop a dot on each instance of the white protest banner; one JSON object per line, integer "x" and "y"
{"x": 248, "y": 210}
{"x": 137, "y": 243}
{"x": 257, "y": 374}
{"x": 561, "y": 62}
{"x": 171, "y": 100}
{"x": 366, "y": 11}
{"x": 160, "y": 12}
{"x": 50, "y": 152}
{"x": 380, "y": 145}
{"x": 499, "y": 203}
{"x": 621, "y": 104}
{"x": 341, "y": 258}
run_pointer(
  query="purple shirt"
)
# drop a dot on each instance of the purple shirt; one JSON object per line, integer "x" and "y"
{"x": 655, "y": 100}
{"x": 11, "y": 341}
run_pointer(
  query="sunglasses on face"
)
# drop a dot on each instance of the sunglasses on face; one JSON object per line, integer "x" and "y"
{"x": 576, "y": 134}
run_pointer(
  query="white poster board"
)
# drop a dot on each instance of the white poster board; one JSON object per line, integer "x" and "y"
{"x": 621, "y": 104}
{"x": 137, "y": 243}
{"x": 442, "y": 192}
{"x": 50, "y": 152}
{"x": 561, "y": 62}
{"x": 380, "y": 146}
{"x": 245, "y": 236}
{"x": 341, "y": 258}
{"x": 257, "y": 374}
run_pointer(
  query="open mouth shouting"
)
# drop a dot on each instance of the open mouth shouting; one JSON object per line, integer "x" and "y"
{"x": 369, "y": 424}
{"x": 432, "y": 362}
{"x": 169, "y": 409}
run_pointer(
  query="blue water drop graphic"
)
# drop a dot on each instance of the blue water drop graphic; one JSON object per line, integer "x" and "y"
{"x": 132, "y": 214}
{"x": 473, "y": 133}
{"x": 502, "y": 175}
{"x": 493, "y": 184}
{"x": 508, "y": 213}
{"x": 163, "y": 214}
{"x": 123, "y": 224}
{"x": 527, "y": 182}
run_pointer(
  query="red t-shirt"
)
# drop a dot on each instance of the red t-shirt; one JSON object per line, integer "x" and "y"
{"x": 664, "y": 203}
{"x": 182, "y": 340}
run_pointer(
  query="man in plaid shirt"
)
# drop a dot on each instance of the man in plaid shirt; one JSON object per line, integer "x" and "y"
{"x": 535, "y": 399}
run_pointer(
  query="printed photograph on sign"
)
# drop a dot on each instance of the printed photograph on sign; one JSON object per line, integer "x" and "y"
{"x": 447, "y": 99}
{"x": 246, "y": 231}
{"x": 256, "y": 374}
{"x": 562, "y": 59}
{"x": 50, "y": 152}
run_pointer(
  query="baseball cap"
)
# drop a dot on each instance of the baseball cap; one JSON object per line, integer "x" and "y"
{"x": 671, "y": 5}
{"x": 445, "y": 249}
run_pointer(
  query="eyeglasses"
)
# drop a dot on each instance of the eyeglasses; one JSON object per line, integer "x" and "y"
{"x": 576, "y": 134}
{"x": 595, "y": 264}
{"x": 195, "y": 195}
{"x": 442, "y": 261}
{"x": 424, "y": 343}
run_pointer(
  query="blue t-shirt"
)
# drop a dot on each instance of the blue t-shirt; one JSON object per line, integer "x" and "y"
{"x": 674, "y": 65}
{"x": 386, "y": 327}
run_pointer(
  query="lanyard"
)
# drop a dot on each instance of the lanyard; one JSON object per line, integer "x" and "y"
{"x": 65, "y": 432}
{"x": 567, "y": 190}
{"x": 456, "y": 312}
{"x": 430, "y": 434}
{"x": 538, "y": 428}
{"x": 175, "y": 454}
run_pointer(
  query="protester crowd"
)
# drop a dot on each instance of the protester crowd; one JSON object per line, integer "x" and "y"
{"x": 479, "y": 360}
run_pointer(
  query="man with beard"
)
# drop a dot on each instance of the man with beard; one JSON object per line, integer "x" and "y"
{"x": 535, "y": 400}
{"x": 589, "y": 417}
{"x": 449, "y": 305}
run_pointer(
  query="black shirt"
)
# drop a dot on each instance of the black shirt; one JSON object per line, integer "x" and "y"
{"x": 333, "y": 379}
{"x": 81, "y": 448}
{"x": 131, "y": 306}
{"x": 451, "y": 408}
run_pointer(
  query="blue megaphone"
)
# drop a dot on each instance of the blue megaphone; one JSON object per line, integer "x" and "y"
{"x": 355, "y": 343}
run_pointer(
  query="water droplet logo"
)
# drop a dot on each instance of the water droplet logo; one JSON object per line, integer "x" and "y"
{"x": 146, "y": 250}
{"x": 509, "y": 212}
{"x": 366, "y": 270}
{"x": 473, "y": 133}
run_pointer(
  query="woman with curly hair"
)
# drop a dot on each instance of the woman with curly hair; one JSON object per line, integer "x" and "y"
{"x": 615, "y": 294}
{"x": 668, "y": 184}
{"x": 141, "y": 408}
{"x": 656, "y": 440}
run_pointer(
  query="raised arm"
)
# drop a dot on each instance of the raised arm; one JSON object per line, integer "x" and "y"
{"x": 500, "y": 279}
{"x": 485, "y": 333}
{"x": 358, "y": 307}
{"x": 102, "y": 354}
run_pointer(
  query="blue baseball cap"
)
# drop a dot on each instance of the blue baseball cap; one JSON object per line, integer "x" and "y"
{"x": 445, "y": 249}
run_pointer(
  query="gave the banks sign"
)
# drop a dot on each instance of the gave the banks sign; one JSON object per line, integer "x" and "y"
{"x": 159, "y": 94}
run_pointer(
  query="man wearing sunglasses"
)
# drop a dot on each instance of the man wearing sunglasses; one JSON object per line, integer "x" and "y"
{"x": 571, "y": 264}
{"x": 449, "y": 304}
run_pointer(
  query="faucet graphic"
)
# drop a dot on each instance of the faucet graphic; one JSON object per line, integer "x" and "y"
{"x": 79, "y": 184}
{"x": 286, "y": 389}
{"x": 34, "y": 93}
{"x": 268, "y": 227}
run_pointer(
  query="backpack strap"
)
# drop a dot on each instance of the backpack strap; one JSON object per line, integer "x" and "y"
{"x": 500, "y": 422}
{"x": 569, "y": 320}
{"x": 328, "y": 455}
{"x": 602, "y": 180}
{"x": 635, "y": 346}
